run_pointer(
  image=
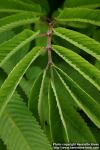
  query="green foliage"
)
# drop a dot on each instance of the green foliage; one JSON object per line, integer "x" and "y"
{"x": 23, "y": 128}
{"x": 16, "y": 20}
{"x": 81, "y": 65}
{"x": 18, "y": 6}
{"x": 7, "y": 49}
{"x": 67, "y": 113}
{"x": 76, "y": 14}
{"x": 82, "y": 41}
{"x": 15, "y": 76}
{"x": 2, "y": 146}
{"x": 81, "y": 3}
{"x": 49, "y": 74}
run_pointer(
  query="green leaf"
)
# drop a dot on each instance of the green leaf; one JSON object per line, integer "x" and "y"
{"x": 82, "y": 3}
{"x": 26, "y": 86}
{"x": 21, "y": 130}
{"x": 44, "y": 5}
{"x": 71, "y": 120}
{"x": 79, "y": 15}
{"x": 87, "y": 70}
{"x": 18, "y": 6}
{"x": 4, "y": 36}
{"x": 95, "y": 131}
{"x": 89, "y": 88}
{"x": 2, "y": 146}
{"x": 43, "y": 108}
{"x": 97, "y": 64}
{"x": 16, "y": 20}
{"x": 15, "y": 76}
{"x": 80, "y": 40}
{"x": 27, "y": 1}
{"x": 10, "y": 47}
{"x": 34, "y": 96}
{"x": 54, "y": 119}
{"x": 84, "y": 101}
{"x": 33, "y": 72}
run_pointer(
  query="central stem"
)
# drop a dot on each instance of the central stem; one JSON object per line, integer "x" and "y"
{"x": 49, "y": 48}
